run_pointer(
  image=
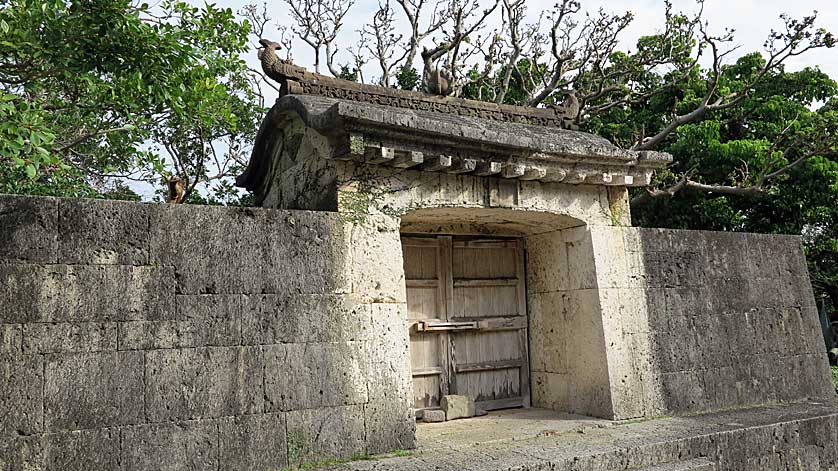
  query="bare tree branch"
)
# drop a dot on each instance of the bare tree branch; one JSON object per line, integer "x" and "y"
{"x": 317, "y": 23}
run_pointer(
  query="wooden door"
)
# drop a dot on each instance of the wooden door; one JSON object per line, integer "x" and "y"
{"x": 466, "y": 301}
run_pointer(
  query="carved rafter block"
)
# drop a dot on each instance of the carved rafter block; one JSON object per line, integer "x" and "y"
{"x": 407, "y": 159}
{"x": 513, "y": 171}
{"x": 487, "y": 169}
{"x": 598, "y": 177}
{"x": 438, "y": 163}
{"x": 621, "y": 180}
{"x": 575, "y": 177}
{"x": 555, "y": 175}
{"x": 462, "y": 165}
{"x": 380, "y": 155}
{"x": 533, "y": 173}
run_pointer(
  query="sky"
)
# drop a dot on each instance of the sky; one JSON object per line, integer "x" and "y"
{"x": 752, "y": 20}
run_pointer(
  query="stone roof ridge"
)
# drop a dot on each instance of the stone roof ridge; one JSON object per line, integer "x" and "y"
{"x": 329, "y": 115}
{"x": 296, "y": 80}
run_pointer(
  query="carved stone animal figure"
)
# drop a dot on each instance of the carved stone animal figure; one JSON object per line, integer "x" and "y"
{"x": 571, "y": 105}
{"x": 434, "y": 80}
{"x": 437, "y": 82}
{"x": 269, "y": 59}
{"x": 177, "y": 190}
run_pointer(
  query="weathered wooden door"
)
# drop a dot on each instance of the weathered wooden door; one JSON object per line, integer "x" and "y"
{"x": 468, "y": 332}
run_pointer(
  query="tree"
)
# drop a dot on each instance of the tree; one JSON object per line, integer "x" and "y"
{"x": 94, "y": 93}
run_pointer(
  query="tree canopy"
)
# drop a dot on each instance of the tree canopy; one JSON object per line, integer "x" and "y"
{"x": 96, "y": 93}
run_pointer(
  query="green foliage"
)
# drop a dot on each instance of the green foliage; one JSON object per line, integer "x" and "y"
{"x": 835, "y": 377}
{"x": 92, "y": 91}
{"x": 407, "y": 78}
{"x": 348, "y": 73}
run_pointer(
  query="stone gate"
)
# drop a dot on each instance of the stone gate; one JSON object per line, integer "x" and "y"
{"x": 411, "y": 246}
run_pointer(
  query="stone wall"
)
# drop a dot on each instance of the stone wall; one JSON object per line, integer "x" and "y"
{"x": 729, "y": 320}
{"x": 138, "y": 336}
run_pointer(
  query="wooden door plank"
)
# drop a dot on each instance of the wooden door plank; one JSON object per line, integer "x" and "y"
{"x": 428, "y": 371}
{"x": 484, "y": 282}
{"x": 419, "y": 241}
{"x": 501, "y": 323}
{"x": 524, "y": 333}
{"x": 421, "y": 283}
{"x": 488, "y": 366}
{"x": 445, "y": 287}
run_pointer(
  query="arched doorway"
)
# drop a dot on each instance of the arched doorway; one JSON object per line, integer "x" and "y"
{"x": 471, "y": 323}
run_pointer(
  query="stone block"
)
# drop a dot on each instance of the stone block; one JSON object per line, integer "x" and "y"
{"x": 635, "y": 270}
{"x": 388, "y": 353}
{"x": 725, "y": 254}
{"x": 78, "y": 293}
{"x": 269, "y": 319}
{"x": 377, "y": 265}
{"x": 22, "y": 453}
{"x": 548, "y": 334}
{"x": 198, "y": 321}
{"x": 722, "y": 388}
{"x": 182, "y": 446}
{"x": 148, "y": 335}
{"x": 457, "y": 407}
{"x": 546, "y": 262}
{"x": 550, "y": 391}
{"x": 21, "y": 396}
{"x": 580, "y": 253}
{"x": 11, "y": 340}
{"x": 90, "y": 390}
{"x": 28, "y": 229}
{"x": 254, "y": 442}
{"x": 635, "y": 379}
{"x": 82, "y": 450}
{"x": 609, "y": 257}
{"x": 683, "y": 391}
{"x": 67, "y": 337}
{"x": 632, "y": 239}
{"x": 654, "y": 240}
{"x": 251, "y": 251}
{"x": 796, "y": 290}
{"x": 433, "y": 416}
{"x": 203, "y": 382}
{"x": 662, "y": 269}
{"x": 277, "y": 384}
{"x": 103, "y": 232}
{"x": 306, "y": 376}
{"x": 209, "y": 320}
{"x": 390, "y": 424}
{"x": 316, "y": 435}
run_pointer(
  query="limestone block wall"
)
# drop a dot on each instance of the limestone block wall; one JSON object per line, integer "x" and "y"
{"x": 700, "y": 321}
{"x": 140, "y": 336}
{"x": 567, "y": 345}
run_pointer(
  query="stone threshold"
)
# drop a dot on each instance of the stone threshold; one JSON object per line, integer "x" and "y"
{"x": 799, "y": 436}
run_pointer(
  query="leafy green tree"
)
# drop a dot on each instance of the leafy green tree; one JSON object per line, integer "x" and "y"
{"x": 94, "y": 93}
